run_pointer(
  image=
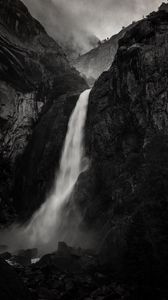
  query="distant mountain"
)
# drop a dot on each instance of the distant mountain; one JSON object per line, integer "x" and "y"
{"x": 74, "y": 50}
{"x": 99, "y": 59}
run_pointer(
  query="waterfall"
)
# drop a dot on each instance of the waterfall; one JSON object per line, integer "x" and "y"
{"x": 46, "y": 222}
{"x": 50, "y": 223}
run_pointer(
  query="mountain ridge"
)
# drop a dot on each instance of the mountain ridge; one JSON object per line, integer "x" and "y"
{"x": 99, "y": 59}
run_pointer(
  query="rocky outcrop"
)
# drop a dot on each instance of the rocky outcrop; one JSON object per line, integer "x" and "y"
{"x": 34, "y": 72}
{"x": 163, "y": 7}
{"x": 99, "y": 59}
{"x": 125, "y": 190}
{"x": 11, "y": 286}
{"x": 71, "y": 273}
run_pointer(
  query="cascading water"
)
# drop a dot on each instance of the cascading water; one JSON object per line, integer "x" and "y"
{"x": 48, "y": 222}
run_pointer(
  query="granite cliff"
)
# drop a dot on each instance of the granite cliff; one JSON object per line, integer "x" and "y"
{"x": 34, "y": 73}
{"x": 124, "y": 193}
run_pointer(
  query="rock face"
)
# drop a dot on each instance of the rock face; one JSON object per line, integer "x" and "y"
{"x": 71, "y": 274}
{"x": 11, "y": 286}
{"x": 163, "y": 7}
{"x": 34, "y": 72}
{"x": 99, "y": 59}
{"x": 125, "y": 191}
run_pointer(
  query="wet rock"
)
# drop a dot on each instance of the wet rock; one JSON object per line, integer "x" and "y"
{"x": 70, "y": 259}
{"x": 48, "y": 282}
{"x": 30, "y": 253}
{"x": 22, "y": 257}
{"x": 5, "y": 255}
{"x": 11, "y": 286}
{"x": 20, "y": 260}
{"x": 64, "y": 249}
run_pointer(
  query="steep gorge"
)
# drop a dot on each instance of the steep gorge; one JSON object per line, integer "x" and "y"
{"x": 123, "y": 195}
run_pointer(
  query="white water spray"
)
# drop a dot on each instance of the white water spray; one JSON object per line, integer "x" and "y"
{"x": 46, "y": 223}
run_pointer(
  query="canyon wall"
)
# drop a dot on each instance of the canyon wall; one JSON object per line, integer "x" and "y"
{"x": 34, "y": 73}
{"x": 123, "y": 195}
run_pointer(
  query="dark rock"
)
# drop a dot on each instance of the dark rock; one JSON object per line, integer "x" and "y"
{"x": 164, "y": 7}
{"x": 41, "y": 158}
{"x": 127, "y": 143}
{"x": 11, "y": 286}
{"x": 20, "y": 260}
{"x": 70, "y": 259}
{"x": 34, "y": 74}
{"x": 24, "y": 257}
{"x": 30, "y": 253}
{"x": 5, "y": 255}
{"x": 46, "y": 280}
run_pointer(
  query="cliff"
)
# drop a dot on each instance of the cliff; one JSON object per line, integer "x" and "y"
{"x": 34, "y": 73}
{"x": 99, "y": 59}
{"x": 124, "y": 194}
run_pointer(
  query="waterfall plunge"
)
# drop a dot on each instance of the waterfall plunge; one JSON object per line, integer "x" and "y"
{"x": 49, "y": 225}
{"x": 46, "y": 222}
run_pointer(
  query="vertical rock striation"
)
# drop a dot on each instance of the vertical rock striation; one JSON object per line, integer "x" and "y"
{"x": 34, "y": 72}
{"x": 127, "y": 142}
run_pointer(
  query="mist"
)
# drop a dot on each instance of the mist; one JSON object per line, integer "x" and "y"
{"x": 79, "y": 22}
{"x": 58, "y": 218}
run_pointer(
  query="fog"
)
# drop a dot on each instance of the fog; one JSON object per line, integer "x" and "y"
{"x": 76, "y": 21}
{"x": 102, "y": 18}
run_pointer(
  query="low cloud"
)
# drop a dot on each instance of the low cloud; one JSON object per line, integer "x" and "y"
{"x": 76, "y": 20}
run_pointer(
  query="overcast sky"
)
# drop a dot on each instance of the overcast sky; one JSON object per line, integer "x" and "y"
{"x": 103, "y": 18}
